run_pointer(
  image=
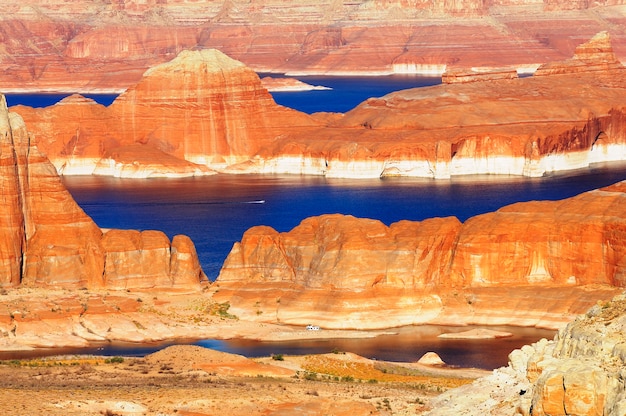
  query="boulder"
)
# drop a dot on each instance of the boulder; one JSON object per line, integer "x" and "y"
{"x": 431, "y": 358}
{"x": 580, "y": 372}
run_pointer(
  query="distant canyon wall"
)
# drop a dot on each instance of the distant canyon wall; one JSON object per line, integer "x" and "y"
{"x": 48, "y": 240}
{"x": 107, "y": 46}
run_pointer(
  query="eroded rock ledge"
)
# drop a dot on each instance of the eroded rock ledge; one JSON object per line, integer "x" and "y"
{"x": 48, "y": 240}
{"x": 528, "y": 264}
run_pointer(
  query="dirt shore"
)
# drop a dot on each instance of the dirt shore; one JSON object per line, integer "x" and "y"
{"x": 32, "y": 318}
{"x": 185, "y": 379}
{"x": 191, "y": 380}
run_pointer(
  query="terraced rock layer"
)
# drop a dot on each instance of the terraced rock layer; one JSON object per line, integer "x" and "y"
{"x": 205, "y": 112}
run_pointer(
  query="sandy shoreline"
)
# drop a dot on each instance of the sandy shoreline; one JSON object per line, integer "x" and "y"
{"x": 43, "y": 322}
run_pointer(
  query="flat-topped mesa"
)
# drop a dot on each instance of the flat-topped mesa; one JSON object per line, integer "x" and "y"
{"x": 216, "y": 103}
{"x": 459, "y": 76}
{"x": 596, "y": 55}
{"x": 340, "y": 271}
{"x": 49, "y": 241}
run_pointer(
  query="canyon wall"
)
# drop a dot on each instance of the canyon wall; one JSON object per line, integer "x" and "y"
{"x": 204, "y": 112}
{"x": 106, "y": 46}
{"x": 533, "y": 263}
{"x": 580, "y": 372}
{"x": 48, "y": 240}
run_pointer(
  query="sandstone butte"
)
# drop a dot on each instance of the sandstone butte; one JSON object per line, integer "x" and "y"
{"x": 47, "y": 241}
{"x": 80, "y": 46}
{"x": 204, "y": 112}
{"x": 527, "y": 264}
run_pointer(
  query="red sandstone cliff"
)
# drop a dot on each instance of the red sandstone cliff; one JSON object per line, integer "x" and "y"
{"x": 528, "y": 263}
{"x": 48, "y": 241}
{"x": 204, "y": 111}
{"x": 99, "y": 45}
{"x": 201, "y": 109}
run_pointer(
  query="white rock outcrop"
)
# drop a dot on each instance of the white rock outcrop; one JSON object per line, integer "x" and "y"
{"x": 581, "y": 372}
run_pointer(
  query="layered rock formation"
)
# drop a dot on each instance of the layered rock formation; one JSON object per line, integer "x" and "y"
{"x": 101, "y": 45}
{"x": 533, "y": 263}
{"x": 48, "y": 241}
{"x": 200, "y": 110}
{"x": 580, "y": 372}
{"x": 207, "y": 111}
{"x": 594, "y": 56}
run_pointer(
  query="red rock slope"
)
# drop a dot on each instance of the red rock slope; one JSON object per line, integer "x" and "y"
{"x": 48, "y": 241}
{"x": 533, "y": 263}
{"x": 570, "y": 117}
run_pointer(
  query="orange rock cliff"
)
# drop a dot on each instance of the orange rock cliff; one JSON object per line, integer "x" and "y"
{"x": 48, "y": 241}
{"x": 204, "y": 112}
{"x": 534, "y": 263}
{"x": 56, "y": 45}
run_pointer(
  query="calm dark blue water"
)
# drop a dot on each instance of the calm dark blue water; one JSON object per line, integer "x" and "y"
{"x": 46, "y": 100}
{"x": 347, "y": 92}
{"x": 408, "y": 345}
{"x": 215, "y": 211}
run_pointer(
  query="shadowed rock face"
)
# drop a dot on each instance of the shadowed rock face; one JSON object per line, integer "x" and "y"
{"x": 204, "y": 111}
{"x": 48, "y": 240}
{"x": 569, "y": 252}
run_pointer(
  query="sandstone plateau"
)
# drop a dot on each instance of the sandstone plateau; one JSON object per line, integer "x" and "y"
{"x": 48, "y": 241}
{"x": 55, "y": 45}
{"x": 529, "y": 264}
{"x": 205, "y": 112}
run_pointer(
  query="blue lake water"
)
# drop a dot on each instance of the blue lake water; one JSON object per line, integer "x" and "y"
{"x": 347, "y": 92}
{"x": 408, "y": 345}
{"x": 46, "y": 100}
{"x": 215, "y": 211}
